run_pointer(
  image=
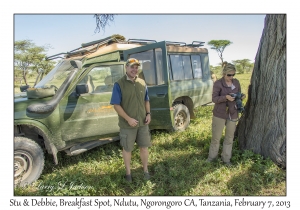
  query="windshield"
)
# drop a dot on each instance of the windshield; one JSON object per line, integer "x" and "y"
{"x": 57, "y": 75}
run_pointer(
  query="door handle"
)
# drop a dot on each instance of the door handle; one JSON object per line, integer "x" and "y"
{"x": 161, "y": 95}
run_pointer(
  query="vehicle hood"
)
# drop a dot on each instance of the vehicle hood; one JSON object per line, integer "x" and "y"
{"x": 20, "y": 97}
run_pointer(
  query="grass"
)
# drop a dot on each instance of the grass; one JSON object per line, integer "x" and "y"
{"x": 176, "y": 163}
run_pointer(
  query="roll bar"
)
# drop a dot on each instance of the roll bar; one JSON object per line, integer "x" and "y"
{"x": 110, "y": 39}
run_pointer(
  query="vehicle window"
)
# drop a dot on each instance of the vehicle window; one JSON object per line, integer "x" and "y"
{"x": 56, "y": 76}
{"x": 147, "y": 72}
{"x": 196, "y": 66}
{"x": 205, "y": 64}
{"x": 177, "y": 67}
{"x": 159, "y": 67}
{"x": 151, "y": 70}
{"x": 102, "y": 78}
{"x": 187, "y": 67}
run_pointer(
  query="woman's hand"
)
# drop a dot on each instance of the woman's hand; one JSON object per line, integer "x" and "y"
{"x": 229, "y": 98}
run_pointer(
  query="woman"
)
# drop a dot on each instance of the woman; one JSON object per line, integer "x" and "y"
{"x": 224, "y": 113}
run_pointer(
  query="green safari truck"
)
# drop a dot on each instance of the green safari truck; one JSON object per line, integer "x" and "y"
{"x": 69, "y": 109}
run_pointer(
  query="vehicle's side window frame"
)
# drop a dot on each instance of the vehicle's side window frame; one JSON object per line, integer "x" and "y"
{"x": 205, "y": 66}
{"x": 169, "y": 68}
{"x": 160, "y": 78}
{"x": 156, "y": 67}
{"x": 192, "y": 68}
{"x": 107, "y": 86}
{"x": 187, "y": 72}
{"x": 173, "y": 76}
{"x": 177, "y": 68}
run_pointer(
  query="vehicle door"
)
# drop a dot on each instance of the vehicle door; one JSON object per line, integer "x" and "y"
{"x": 154, "y": 70}
{"x": 91, "y": 114}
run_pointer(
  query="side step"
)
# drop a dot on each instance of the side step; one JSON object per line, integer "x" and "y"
{"x": 83, "y": 147}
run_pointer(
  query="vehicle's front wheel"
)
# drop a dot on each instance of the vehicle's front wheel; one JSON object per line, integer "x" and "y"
{"x": 181, "y": 117}
{"x": 28, "y": 161}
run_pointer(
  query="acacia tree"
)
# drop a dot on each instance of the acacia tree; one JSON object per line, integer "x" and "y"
{"x": 216, "y": 69}
{"x": 219, "y": 46}
{"x": 244, "y": 64}
{"x": 28, "y": 56}
{"x": 250, "y": 67}
{"x": 262, "y": 128}
{"x": 44, "y": 65}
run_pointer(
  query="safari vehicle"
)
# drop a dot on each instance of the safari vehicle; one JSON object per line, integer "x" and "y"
{"x": 69, "y": 109}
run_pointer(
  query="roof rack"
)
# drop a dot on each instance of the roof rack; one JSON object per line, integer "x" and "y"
{"x": 83, "y": 45}
{"x": 175, "y": 43}
{"x": 194, "y": 44}
{"x": 52, "y": 57}
{"x": 141, "y": 41}
{"x": 99, "y": 42}
{"x": 110, "y": 39}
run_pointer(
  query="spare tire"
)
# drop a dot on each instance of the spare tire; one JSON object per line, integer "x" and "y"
{"x": 181, "y": 117}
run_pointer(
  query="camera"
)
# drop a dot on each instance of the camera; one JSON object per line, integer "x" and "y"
{"x": 238, "y": 100}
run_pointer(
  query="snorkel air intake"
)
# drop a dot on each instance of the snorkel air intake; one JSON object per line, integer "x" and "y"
{"x": 49, "y": 106}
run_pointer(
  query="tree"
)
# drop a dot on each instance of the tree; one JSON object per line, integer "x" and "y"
{"x": 219, "y": 46}
{"x": 29, "y": 57}
{"x": 45, "y": 65}
{"x": 216, "y": 70}
{"x": 262, "y": 128}
{"x": 250, "y": 67}
{"x": 102, "y": 20}
{"x": 244, "y": 64}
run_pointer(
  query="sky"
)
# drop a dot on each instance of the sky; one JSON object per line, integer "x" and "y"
{"x": 67, "y": 32}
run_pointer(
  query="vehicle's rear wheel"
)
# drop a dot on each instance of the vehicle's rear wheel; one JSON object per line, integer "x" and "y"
{"x": 28, "y": 161}
{"x": 181, "y": 117}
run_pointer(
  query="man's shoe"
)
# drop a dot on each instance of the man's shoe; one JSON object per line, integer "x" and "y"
{"x": 128, "y": 178}
{"x": 146, "y": 175}
{"x": 209, "y": 160}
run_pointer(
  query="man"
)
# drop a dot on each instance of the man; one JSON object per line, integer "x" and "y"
{"x": 131, "y": 102}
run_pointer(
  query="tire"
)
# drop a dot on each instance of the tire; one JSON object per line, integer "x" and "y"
{"x": 181, "y": 117}
{"x": 28, "y": 161}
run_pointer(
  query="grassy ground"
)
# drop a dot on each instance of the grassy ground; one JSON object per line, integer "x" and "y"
{"x": 176, "y": 163}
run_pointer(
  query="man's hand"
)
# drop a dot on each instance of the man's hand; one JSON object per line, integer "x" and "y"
{"x": 132, "y": 122}
{"x": 148, "y": 119}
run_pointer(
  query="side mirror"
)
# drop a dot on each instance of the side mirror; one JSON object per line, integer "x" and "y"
{"x": 24, "y": 88}
{"x": 81, "y": 89}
